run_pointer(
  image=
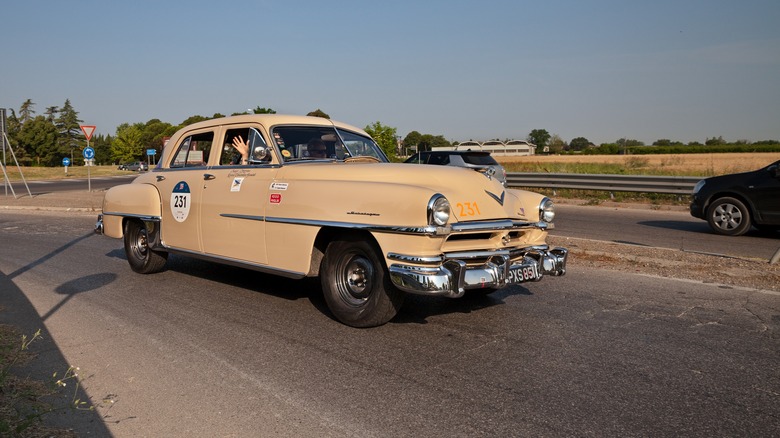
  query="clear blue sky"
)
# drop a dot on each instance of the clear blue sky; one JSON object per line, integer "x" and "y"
{"x": 683, "y": 70}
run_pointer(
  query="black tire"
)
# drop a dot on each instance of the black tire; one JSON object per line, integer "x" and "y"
{"x": 142, "y": 259}
{"x": 356, "y": 284}
{"x": 728, "y": 216}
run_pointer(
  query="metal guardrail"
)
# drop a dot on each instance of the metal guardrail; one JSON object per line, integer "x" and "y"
{"x": 677, "y": 185}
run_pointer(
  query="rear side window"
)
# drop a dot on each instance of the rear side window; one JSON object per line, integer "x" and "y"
{"x": 193, "y": 151}
{"x": 479, "y": 159}
{"x": 440, "y": 159}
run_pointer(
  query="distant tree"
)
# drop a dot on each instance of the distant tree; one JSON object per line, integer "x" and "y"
{"x": 190, "y": 120}
{"x": 26, "y": 111}
{"x": 318, "y": 113}
{"x": 259, "y": 110}
{"x": 102, "y": 145}
{"x": 384, "y": 137}
{"x": 70, "y": 137}
{"x": 539, "y": 137}
{"x": 428, "y": 142}
{"x": 412, "y": 139}
{"x": 715, "y": 141}
{"x": 127, "y": 144}
{"x": 556, "y": 145}
{"x": 579, "y": 144}
{"x": 694, "y": 143}
{"x": 51, "y": 113}
{"x": 153, "y": 133}
{"x": 628, "y": 142}
{"x": 662, "y": 142}
{"x": 37, "y": 141}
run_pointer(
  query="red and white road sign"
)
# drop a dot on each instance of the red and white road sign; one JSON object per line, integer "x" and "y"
{"x": 88, "y": 130}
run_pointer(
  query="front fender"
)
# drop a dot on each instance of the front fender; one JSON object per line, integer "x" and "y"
{"x": 129, "y": 200}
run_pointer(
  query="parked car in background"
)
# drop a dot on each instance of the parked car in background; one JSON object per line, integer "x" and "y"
{"x": 732, "y": 203}
{"x": 477, "y": 160}
{"x": 136, "y": 166}
{"x": 318, "y": 198}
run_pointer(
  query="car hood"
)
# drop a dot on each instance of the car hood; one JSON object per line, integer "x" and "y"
{"x": 374, "y": 186}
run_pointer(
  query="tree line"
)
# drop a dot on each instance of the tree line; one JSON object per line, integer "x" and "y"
{"x": 45, "y": 139}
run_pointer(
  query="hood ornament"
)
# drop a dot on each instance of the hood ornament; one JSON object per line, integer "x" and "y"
{"x": 498, "y": 199}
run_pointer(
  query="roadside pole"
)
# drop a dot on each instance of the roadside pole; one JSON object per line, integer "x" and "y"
{"x": 89, "y": 153}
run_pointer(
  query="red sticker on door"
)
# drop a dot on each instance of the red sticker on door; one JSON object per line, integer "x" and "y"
{"x": 276, "y": 198}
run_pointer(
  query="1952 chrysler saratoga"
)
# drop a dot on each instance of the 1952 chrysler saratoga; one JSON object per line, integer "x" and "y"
{"x": 371, "y": 230}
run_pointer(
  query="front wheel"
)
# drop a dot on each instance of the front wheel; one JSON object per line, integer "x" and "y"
{"x": 728, "y": 216}
{"x": 356, "y": 284}
{"x": 141, "y": 257}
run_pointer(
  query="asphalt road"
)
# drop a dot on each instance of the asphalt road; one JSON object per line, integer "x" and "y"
{"x": 659, "y": 228}
{"x": 38, "y": 187}
{"x": 207, "y": 350}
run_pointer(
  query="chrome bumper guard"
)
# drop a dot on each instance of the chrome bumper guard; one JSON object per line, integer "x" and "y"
{"x": 99, "y": 225}
{"x": 454, "y": 276}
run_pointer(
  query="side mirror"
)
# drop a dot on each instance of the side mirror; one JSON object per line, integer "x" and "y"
{"x": 259, "y": 154}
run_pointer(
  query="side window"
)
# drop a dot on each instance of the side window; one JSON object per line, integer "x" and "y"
{"x": 230, "y": 155}
{"x": 250, "y": 136}
{"x": 193, "y": 151}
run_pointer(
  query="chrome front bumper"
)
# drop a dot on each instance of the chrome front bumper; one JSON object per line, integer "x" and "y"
{"x": 453, "y": 274}
{"x": 99, "y": 224}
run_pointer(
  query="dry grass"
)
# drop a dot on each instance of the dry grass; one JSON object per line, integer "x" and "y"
{"x": 678, "y": 164}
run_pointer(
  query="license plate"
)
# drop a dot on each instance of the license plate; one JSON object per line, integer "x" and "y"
{"x": 521, "y": 274}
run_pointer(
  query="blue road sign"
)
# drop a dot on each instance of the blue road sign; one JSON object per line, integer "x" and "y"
{"x": 66, "y": 161}
{"x": 89, "y": 153}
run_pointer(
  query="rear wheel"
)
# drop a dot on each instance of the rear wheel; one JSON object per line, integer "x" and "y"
{"x": 142, "y": 259}
{"x": 356, "y": 284}
{"x": 728, "y": 216}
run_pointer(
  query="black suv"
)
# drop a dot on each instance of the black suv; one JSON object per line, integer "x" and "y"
{"x": 732, "y": 203}
{"x": 478, "y": 160}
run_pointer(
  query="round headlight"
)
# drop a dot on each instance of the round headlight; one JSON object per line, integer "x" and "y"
{"x": 438, "y": 210}
{"x": 547, "y": 210}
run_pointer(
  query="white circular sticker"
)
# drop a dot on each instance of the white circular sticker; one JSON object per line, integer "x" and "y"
{"x": 180, "y": 201}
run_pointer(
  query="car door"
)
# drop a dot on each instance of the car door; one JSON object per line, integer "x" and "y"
{"x": 766, "y": 191}
{"x": 234, "y": 198}
{"x": 180, "y": 184}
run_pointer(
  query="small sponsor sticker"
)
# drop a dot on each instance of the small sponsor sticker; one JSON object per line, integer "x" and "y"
{"x": 279, "y": 186}
{"x": 236, "y": 186}
{"x": 276, "y": 198}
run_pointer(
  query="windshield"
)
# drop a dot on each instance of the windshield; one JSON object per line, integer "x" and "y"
{"x": 297, "y": 143}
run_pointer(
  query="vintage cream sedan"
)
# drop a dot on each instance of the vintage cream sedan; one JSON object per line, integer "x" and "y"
{"x": 371, "y": 230}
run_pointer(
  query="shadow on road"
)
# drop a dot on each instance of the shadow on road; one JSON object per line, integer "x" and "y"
{"x": 16, "y": 310}
{"x": 416, "y": 308}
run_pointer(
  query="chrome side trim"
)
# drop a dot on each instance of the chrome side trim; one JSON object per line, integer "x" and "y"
{"x": 243, "y": 216}
{"x": 142, "y": 217}
{"x": 427, "y": 230}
